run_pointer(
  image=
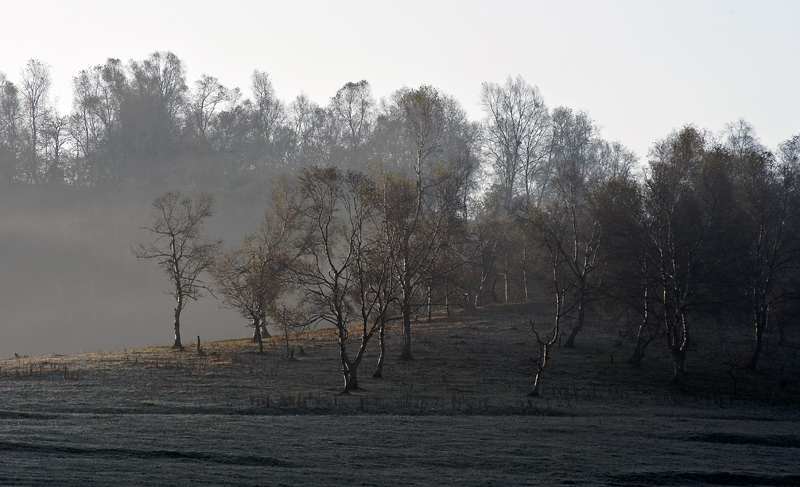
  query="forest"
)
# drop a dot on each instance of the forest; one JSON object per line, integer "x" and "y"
{"x": 385, "y": 211}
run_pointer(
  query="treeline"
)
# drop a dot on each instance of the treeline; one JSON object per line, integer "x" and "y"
{"x": 144, "y": 121}
{"x": 706, "y": 236}
{"x": 388, "y": 209}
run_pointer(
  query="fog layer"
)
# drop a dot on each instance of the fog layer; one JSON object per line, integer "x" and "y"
{"x": 69, "y": 282}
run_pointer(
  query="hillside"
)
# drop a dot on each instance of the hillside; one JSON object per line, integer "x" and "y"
{"x": 474, "y": 362}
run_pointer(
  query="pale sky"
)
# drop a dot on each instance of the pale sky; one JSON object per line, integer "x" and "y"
{"x": 639, "y": 68}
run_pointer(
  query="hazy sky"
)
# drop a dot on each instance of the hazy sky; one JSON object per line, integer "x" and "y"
{"x": 639, "y": 68}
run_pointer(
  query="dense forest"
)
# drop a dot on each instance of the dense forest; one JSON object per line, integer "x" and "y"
{"x": 384, "y": 211}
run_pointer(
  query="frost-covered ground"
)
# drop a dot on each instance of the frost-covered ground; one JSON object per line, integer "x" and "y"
{"x": 655, "y": 446}
{"x": 457, "y": 415}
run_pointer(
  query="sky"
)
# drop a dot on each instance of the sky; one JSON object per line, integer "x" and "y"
{"x": 640, "y": 69}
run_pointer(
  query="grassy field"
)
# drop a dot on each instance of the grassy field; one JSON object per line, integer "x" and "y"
{"x": 456, "y": 415}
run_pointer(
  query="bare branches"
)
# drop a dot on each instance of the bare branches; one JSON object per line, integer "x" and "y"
{"x": 179, "y": 249}
{"x": 517, "y": 129}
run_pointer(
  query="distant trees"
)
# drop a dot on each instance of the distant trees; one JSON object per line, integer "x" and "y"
{"x": 353, "y": 108}
{"x": 34, "y": 92}
{"x": 393, "y": 207}
{"x": 517, "y": 131}
{"x": 789, "y": 152}
{"x": 180, "y": 249}
{"x": 10, "y": 128}
{"x": 94, "y": 124}
{"x": 204, "y": 105}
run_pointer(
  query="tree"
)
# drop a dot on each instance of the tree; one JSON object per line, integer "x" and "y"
{"x": 375, "y": 287}
{"x": 10, "y": 128}
{"x": 35, "y": 88}
{"x": 768, "y": 227}
{"x": 560, "y": 314}
{"x": 179, "y": 248}
{"x": 209, "y": 95}
{"x": 163, "y": 76}
{"x": 432, "y": 146}
{"x": 572, "y": 236}
{"x": 56, "y": 167}
{"x": 95, "y": 122}
{"x": 352, "y": 107}
{"x": 311, "y": 133}
{"x": 422, "y": 114}
{"x": 253, "y": 278}
{"x": 292, "y": 320}
{"x": 267, "y": 116}
{"x": 248, "y": 280}
{"x": 741, "y": 138}
{"x": 86, "y": 127}
{"x": 685, "y": 196}
{"x": 517, "y": 134}
{"x": 570, "y": 261}
{"x": 422, "y": 110}
{"x": 333, "y": 250}
{"x": 619, "y": 207}
{"x": 489, "y": 232}
{"x": 789, "y": 152}
{"x": 152, "y": 99}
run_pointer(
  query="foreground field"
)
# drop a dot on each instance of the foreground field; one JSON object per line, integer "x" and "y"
{"x": 456, "y": 415}
{"x": 650, "y": 447}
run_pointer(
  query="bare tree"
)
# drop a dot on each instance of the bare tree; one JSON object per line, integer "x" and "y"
{"x": 552, "y": 227}
{"x": 179, "y": 248}
{"x": 248, "y": 281}
{"x": 619, "y": 206}
{"x": 253, "y": 278}
{"x": 545, "y": 344}
{"x": 269, "y": 111}
{"x": 35, "y": 89}
{"x": 566, "y": 227}
{"x": 311, "y": 128}
{"x": 741, "y": 139}
{"x": 767, "y": 227}
{"x": 95, "y": 121}
{"x": 204, "y": 103}
{"x": 422, "y": 112}
{"x": 162, "y": 76}
{"x": 789, "y": 152}
{"x": 151, "y": 114}
{"x": 55, "y": 157}
{"x": 353, "y": 107}
{"x": 330, "y": 244}
{"x": 684, "y": 199}
{"x": 292, "y": 320}
{"x": 10, "y": 128}
{"x": 517, "y": 135}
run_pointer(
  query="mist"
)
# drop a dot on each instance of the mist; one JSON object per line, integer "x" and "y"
{"x": 76, "y": 189}
{"x": 71, "y": 284}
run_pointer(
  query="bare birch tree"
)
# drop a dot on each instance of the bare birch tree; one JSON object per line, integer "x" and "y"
{"x": 517, "y": 137}
{"x": 179, "y": 248}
